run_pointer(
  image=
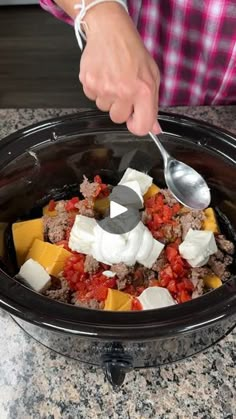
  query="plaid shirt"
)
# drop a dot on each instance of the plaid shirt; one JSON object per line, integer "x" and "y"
{"x": 193, "y": 43}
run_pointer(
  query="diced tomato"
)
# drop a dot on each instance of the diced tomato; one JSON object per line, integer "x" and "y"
{"x": 158, "y": 234}
{"x": 154, "y": 283}
{"x": 178, "y": 269}
{"x": 102, "y": 191}
{"x": 136, "y": 305}
{"x": 68, "y": 233}
{"x": 172, "y": 286}
{"x": 75, "y": 200}
{"x": 188, "y": 284}
{"x": 171, "y": 253}
{"x": 64, "y": 244}
{"x": 176, "y": 208}
{"x": 51, "y": 205}
{"x": 97, "y": 179}
{"x": 167, "y": 213}
{"x": 184, "y": 296}
{"x": 100, "y": 293}
{"x": 167, "y": 272}
{"x": 70, "y": 205}
{"x": 79, "y": 267}
{"x": 130, "y": 290}
{"x": 157, "y": 220}
{"x": 180, "y": 286}
{"x": 110, "y": 283}
{"x": 164, "y": 281}
{"x": 140, "y": 290}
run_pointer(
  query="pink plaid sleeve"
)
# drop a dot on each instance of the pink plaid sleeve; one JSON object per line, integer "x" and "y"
{"x": 193, "y": 43}
{"x": 56, "y": 11}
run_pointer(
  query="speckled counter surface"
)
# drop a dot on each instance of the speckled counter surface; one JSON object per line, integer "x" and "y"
{"x": 36, "y": 383}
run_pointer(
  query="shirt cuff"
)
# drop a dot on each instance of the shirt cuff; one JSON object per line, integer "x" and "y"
{"x": 56, "y": 11}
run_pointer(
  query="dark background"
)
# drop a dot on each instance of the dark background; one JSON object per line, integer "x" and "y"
{"x": 39, "y": 60}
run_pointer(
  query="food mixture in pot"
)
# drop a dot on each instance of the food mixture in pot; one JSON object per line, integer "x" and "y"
{"x": 173, "y": 255}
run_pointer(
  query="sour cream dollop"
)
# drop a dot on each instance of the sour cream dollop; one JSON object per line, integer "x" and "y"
{"x": 138, "y": 245}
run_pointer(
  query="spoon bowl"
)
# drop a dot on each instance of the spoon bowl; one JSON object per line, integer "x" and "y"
{"x": 185, "y": 183}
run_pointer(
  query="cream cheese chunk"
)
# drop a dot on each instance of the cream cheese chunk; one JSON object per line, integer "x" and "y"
{"x": 144, "y": 180}
{"x": 155, "y": 297}
{"x": 197, "y": 247}
{"x": 134, "y": 185}
{"x": 34, "y": 275}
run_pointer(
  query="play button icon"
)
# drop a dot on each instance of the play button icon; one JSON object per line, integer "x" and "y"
{"x": 116, "y": 209}
{"x": 124, "y": 211}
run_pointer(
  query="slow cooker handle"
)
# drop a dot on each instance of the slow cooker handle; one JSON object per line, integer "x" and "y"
{"x": 115, "y": 371}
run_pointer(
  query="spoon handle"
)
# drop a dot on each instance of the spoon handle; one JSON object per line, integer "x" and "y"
{"x": 163, "y": 151}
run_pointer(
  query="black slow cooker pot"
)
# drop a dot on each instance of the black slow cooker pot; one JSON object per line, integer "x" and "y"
{"x": 48, "y": 160}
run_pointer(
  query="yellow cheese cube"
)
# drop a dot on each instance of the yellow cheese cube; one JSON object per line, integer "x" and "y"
{"x": 153, "y": 190}
{"x": 101, "y": 205}
{"x": 49, "y": 213}
{"x": 210, "y": 222}
{"x": 212, "y": 281}
{"x": 24, "y": 233}
{"x": 118, "y": 301}
{"x": 48, "y": 255}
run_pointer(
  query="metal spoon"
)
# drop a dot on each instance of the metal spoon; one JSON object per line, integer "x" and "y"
{"x": 187, "y": 185}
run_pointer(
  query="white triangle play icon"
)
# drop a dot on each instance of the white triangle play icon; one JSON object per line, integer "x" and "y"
{"x": 116, "y": 209}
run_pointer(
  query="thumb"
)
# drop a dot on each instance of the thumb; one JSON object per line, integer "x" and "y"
{"x": 156, "y": 129}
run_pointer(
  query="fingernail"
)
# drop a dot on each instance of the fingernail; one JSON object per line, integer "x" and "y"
{"x": 156, "y": 128}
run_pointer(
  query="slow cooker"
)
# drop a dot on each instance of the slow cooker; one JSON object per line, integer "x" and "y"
{"x": 48, "y": 160}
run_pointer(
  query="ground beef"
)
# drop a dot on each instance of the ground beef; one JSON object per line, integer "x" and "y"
{"x": 121, "y": 270}
{"x": 224, "y": 244}
{"x": 89, "y": 189}
{"x": 60, "y": 206}
{"x": 192, "y": 219}
{"x": 93, "y": 304}
{"x": 219, "y": 265}
{"x": 121, "y": 283}
{"x": 199, "y": 273}
{"x": 55, "y": 227}
{"x": 140, "y": 276}
{"x": 145, "y": 217}
{"x": 60, "y": 293}
{"x": 85, "y": 208}
{"x": 91, "y": 265}
{"x": 219, "y": 255}
{"x": 196, "y": 277}
{"x": 199, "y": 289}
{"x": 169, "y": 198}
{"x": 160, "y": 262}
{"x": 171, "y": 232}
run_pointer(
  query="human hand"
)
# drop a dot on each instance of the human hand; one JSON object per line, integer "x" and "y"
{"x": 117, "y": 71}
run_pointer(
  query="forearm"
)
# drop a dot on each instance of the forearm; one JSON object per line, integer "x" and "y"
{"x": 68, "y": 7}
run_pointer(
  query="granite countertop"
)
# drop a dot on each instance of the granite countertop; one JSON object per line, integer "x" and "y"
{"x": 37, "y": 383}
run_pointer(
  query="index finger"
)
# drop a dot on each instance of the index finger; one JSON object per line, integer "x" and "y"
{"x": 144, "y": 117}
